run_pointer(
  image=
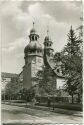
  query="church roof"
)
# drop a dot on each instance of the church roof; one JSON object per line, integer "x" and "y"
{"x": 32, "y": 31}
{"x": 54, "y": 66}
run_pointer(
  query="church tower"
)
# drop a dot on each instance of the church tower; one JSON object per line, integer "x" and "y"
{"x": 33, "y": 59}
{"x": 48, "y": 45}
{"x": 53, "y": 68}
{"x": 48, "y": 62}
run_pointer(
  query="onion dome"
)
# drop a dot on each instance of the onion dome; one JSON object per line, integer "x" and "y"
{"x": 32, "y": 46}
{"x": 34, "y": 43}
{"x": 47, "y": 38}
{"x": 47, "y": 41}
{"x": 32, "y": 31}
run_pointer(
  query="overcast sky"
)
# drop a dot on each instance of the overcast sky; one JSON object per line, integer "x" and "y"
{"x": 16, "y": 19}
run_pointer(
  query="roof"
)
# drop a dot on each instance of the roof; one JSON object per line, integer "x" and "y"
{"x": 32, "y": 30}
{"x": 8, "y": 75}
{"x": 53, "y": 66}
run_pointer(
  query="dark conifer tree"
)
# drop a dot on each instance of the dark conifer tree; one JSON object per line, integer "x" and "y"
{"x": 72, "y": 59}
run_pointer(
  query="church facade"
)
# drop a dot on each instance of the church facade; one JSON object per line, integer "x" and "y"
{"x": 36, "y": 57}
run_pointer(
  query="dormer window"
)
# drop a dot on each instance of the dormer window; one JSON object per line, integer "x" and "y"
{"x": 58, "y": 70}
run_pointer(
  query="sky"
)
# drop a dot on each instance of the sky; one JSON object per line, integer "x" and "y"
{"x": 16, "y": 19}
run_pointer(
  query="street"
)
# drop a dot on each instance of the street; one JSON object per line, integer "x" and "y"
{"x": 22, "y": 115}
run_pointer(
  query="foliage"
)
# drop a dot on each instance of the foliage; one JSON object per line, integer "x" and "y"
{"x": 46, "y": 81}
{"x": 27, "y": 94}
{"x": 72, "y": 60}
{"x": 57, "y": 57}
{"x": 12, "y": 88}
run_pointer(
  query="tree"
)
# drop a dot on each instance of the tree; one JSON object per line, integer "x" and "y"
{"x": 72, "y": 60}
{"x": 47, "y": 82}
{"x": 12, "y": 88}
{"x": 57, "y": 57}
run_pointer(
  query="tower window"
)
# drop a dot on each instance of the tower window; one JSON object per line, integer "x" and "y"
{"x": 32, "y": 38}
{"x": 47, "y": 44}
{"x": 35, "y": 38}
{"x": 38, "y": 51}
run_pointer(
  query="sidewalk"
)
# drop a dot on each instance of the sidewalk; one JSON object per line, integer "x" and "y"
{"x": 56, "y": 110}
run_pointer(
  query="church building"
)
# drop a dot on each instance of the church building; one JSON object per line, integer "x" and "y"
{"x": 36, "y": 57}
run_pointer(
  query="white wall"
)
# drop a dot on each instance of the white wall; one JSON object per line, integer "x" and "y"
{"x": 60, "y": 83}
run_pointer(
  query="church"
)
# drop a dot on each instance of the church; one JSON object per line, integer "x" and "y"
{"x": 36, "y": 57}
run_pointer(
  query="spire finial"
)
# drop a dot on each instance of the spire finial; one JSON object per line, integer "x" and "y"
{"x": 47, "y": 30}
{"x": 33, "y": 24}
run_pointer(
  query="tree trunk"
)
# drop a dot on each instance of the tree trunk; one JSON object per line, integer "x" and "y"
{"x": 53, "y": 103}
{"x": 4, "y": 98}
{"x": 10, "y": 99}
{"x": 78, "y": 98}
{"x": 72, "y": 99}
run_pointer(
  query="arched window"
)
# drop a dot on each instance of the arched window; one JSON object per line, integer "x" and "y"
{"x": 36, "y": 38}
{"x": 47, "y": 44}
{"x": 32, "y": 38}
{"x": 38, "y": 51}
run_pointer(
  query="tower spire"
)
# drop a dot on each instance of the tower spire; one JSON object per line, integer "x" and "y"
{"x": 47, "y": 30}
{"x": 33, "y": 24}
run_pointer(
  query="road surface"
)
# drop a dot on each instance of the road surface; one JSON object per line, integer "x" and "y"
{"x": 23, "y": 116}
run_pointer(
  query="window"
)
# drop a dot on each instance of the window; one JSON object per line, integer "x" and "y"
{"x": 57, "y": 70}
{"x": 38, "y": 51}
{"x": 32, "y": 38}
{"x": 36, "y": 38}
{"x": 47, "y": 44}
